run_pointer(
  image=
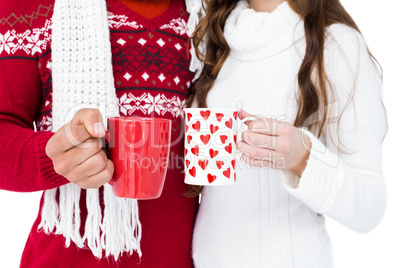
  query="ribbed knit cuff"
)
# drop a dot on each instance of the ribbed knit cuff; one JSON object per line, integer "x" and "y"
{"x": 321, "y": 179}
{"x": 49, "y": 178}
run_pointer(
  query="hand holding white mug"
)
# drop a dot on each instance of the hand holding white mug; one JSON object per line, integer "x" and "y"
{"x": 76, "y": 150}
{"x": 274, "y": 144}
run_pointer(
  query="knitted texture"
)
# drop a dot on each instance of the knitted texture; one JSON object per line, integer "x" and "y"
{"x": 81, "y": 60}
{"x": 281, "y": 216}
{"x": 151, "y": 77}
{"x": 83, "y": 78}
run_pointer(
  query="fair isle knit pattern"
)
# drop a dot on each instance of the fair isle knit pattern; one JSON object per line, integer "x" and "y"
{"x": 150, "y": 61}
{"x": 79, "y": 74}
{"x": 142, "y": 60}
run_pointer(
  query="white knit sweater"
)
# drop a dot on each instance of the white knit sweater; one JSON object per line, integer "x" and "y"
{"x": 262, "y": 221}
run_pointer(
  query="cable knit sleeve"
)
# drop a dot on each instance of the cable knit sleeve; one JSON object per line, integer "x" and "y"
{"x": 196, "y": 11}
{"x": 348, "y": 185}
{"x": 24, "y": 165}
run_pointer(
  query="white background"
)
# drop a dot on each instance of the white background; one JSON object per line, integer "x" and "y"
{"x": 381, "y": 24}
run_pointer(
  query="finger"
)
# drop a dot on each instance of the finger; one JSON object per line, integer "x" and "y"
{"x": 268, "y": 126}
{"x": 79, "y": 154}
{"x": 259, "y": 122}
{"x": 74, "y": 132}
{"x": 67, "y": 138}
{"x": 64, "y": 139}
{"x": 254, "y": 152}
{"x": 255, "y": 162}
{"x": 91, "y": 166}
{"x": 68, "y": 161}
{"x": 92, "y": 120}
{"x": 243, "y": 114}
{"x": 97, "y": 180}
{"x": 259, "y": 140}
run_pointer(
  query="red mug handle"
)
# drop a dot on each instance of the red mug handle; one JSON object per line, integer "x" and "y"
{"x": 107, "y": 140}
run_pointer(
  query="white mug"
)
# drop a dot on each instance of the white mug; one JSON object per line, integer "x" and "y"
{"x": 210, "y": 145}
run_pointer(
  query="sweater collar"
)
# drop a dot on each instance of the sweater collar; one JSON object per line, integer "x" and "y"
{"x": 254, "y": 35}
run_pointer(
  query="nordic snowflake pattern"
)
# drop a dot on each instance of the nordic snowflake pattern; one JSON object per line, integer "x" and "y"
{"x": 117, "y": 21}
{"x": 30, "y": 42}
{"x": 147, "y": 104}
{"x": 37, "y": 40}
{"x": 179, "y": 26}
{"x": 45, "y": 124}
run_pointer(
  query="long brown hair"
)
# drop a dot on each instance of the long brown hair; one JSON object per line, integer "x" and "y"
{"x": 313, "y": 95}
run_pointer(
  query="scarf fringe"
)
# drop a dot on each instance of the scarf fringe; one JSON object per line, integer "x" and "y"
{"x": 70, "y": 220}
{"x": 117, "y": 232}
{"x": 83, "y": 78}
{"x": 117, "y": 223}
{"x": 50, "y": 212}
{"x": 92, "y": 226}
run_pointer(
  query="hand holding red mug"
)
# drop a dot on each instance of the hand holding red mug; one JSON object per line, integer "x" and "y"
{"x": 274, "y": 144}
{"x": 76, "y": 150}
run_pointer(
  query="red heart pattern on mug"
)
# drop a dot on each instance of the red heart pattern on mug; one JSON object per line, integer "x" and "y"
{"x": 185, "y": 152}
{"x": 235, "y": 115}
{"x": 204, "y": 158}
{"x": 226, "y": 173}
{"x": 213, "y": 152}
{"x": 205, "y": 114}
{"x": 203, "y": 163}
{"x": 211, "y": 178}
{"x": 219, "y": 164}
{"x": 219, "y": 116}
{"x": 195, "y": 150}
{"x": 229, "y": 123}
{"x": 228, "y": 148}
{"x": 205, "y": 138}
{"x": 192, "y": 171}
{"x": 196, "y": 126}
{"x": 213, "y": 128}
{"x": 223, "y": 138}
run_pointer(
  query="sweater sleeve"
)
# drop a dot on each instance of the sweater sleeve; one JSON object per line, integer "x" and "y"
{"x": 24, "y": 165}
{"x": 344, "y": 179}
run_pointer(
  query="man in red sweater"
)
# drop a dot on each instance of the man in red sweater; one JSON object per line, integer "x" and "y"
{"x": 150, "y": 66}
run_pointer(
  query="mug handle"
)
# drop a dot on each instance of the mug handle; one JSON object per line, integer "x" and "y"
{"x": 242, "y": 123}
{"x": 107, "y": 140}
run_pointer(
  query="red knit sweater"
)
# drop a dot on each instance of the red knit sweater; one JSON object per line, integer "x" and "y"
{"x": 147, "y": 8}
{"x": 150, "y": 64}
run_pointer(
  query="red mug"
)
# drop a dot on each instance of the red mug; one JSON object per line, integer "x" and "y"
{"x": 139, "y": 149}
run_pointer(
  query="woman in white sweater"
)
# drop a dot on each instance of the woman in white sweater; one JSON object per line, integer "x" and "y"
{"x": 302, "y": 68}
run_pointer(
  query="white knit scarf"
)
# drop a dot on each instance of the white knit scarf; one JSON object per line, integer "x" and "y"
{"x": 83, "y": 78}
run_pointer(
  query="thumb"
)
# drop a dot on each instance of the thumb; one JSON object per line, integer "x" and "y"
{"x": 92, "y": 120}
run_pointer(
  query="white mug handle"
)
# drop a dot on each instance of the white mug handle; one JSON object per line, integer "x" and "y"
{"x": 239, "y": 128}
{"x": 246, "y": 119}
